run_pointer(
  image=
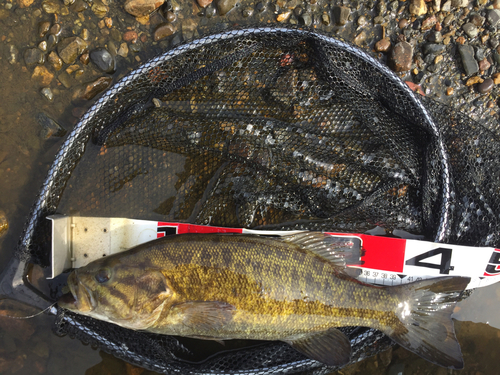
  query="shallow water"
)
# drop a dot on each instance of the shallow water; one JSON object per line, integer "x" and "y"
{"x": 30, "y": 347}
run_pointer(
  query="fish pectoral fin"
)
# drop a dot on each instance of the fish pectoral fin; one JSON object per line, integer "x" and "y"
{"x": 204, "y": 316}
{"x": 330, "y": 347}
{"x": 338, "y": 251}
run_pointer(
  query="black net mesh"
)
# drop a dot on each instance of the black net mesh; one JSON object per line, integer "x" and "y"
{"x": 268, "y": 128}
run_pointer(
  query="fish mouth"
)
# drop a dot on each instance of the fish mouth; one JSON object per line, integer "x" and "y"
{"x": 79, "y": 298}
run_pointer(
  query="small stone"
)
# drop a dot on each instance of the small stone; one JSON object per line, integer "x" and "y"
{"x": 210, "y": 12}
{"x": 403, "y": 23}
{"x": 341, "y": 14}
{"x": 4, "y": 224}
{"x": 477, "y": 20}
{"x": 470, "y": 29}
{"x": 20, "y": 329}
{"x": 438, "y": 27}
{"x": 325, "y": 19}
{"x": 401, "y": 57}
{"x": 494, "y": 42}
{"x": 378, "y": 20}
{"x": 52, "y": 41}
{"x": 484, "y": 65}
{"x": 49, "y": 127}
{"x": 486, "y": 86}
{"x": 55, "y": 29}
{"x": 204, "y": 3}
{"x": 438, "y": 59}
{"x": 170, "y": 16}
{"x": 55, "y": 60}
{"x": 68, "y": 2}
{"x": 70, "y": 48}
{"x": 43, "y": 28}
{"x": 130, "y": 36}
{"x": 33, "y": 56}
{"x": 496, "y": 78}
{"x": 306, "y": 19}
{"x": 50, "y": 6}
{"x": 47, "y": 93}
{"x": 496, "y": 4}
{"x": 493, "y": 17}
{"x": 484, "y": 38}
{"x": 480, "y": 54}
{"x": 224, "y": 6}
{"x": 164, "y": 30}
{"x": 460, "y": 40}
{"x": 42, "y": 46}
{"x": 383, "y": 45}
{"x": 418, "y": 7}
{"x": 468, "y": 61}
{"x": 260, "y": 7}
{"x": 360, "y": 38}
{"x": 79, "y": 6}
{"x": 25, "y": 3}
{"x": 448, "y": 20}
{"x": 123, "y": 50}
{"x": 85, "y": 58}
{"x": 99, "y": 9}
{"x": 108, "y": 21}
{"x": 428, "y": 23}
{"x": 282, "y": 17}
{"x": 13, "y": 54}
{"x": 473, "y": 80}
{"x": 435, "y": 37}
{"x": 140, "y": 8}
{"x": 459, "y": 3}
{"x": 446, "y": 6}
{"x": 103, "y": 60}
{"x": 449, "y": 91}
{"x": 94, "y": 88}
{"x": 361, "y": 21}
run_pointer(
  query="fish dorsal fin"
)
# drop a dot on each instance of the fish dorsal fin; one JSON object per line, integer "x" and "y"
{"x": 338, "y": 250}
{"x": 330, "y": 347}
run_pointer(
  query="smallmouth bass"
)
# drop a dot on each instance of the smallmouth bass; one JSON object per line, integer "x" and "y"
{"x": 294, "y": 289}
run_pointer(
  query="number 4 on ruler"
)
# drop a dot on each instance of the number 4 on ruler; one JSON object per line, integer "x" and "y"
{"x": 443, "y": 268}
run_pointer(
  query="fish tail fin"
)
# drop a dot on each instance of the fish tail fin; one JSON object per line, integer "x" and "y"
{"x": 425, "y": 326}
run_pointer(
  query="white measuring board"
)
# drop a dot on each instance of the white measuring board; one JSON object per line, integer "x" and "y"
{"x": 76, "y": 241}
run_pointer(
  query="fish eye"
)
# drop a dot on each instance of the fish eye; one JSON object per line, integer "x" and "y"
{"x": 102, "y": 275}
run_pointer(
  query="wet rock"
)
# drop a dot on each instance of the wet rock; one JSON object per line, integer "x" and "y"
{"x": 383, "y": 45}
{"x": 210, "y": 12}
{"x": 473, "y": 80}
{"x": 401, "y": 57}
{"x": 470, "y": 29}
{"x": 70, "y": 48}
{"x": 496, "y": 78}
{"x": 103, "y": 60}
{"x": 4, "y": 224}
{"x": 47, "y": 93}
{"x": 55, "y": 29}
{"x": 247, "y": 12}
{"x": 484, "y": 65}
{"x": 459, "y": 3}
{"x": 42, "y": 76}
{"x": 11, "y": 366}
{"x": 378, "y": 20}
{"x": 93, "y": 88}
{"x": 43, "y": 28}
{"x": 79, "y": 6}
{"x": 260, "y": 7}
{"x": 123, "y": 50}
{"x": 25, "y": 3}
{"x": 306, "y": 19}
{"x": 52, "y": 41}
{"x": 480, "y": 54}
{"x": 360, "y": 38}
{"x": 428, "y": 23}
{"x": 50, "y": 6}
{"x": 204, "y": 3}
{"x": 68, "y": 2}
{"x": 42, "y": 46}
{"x": 20, "y": 329}
{"x": 170, "y": 16}
{"x": 435, "y": 37}
{"x": 493, "y": 17}
{"x": 325, "y": 19}
{"x": 468, "y": 61}
{"x": 164, "y": 30}
{"x": 224, "y": 6}
{"x": 49, "y": 127}
{"x": 55, "y": 60}
{"x": 13, "y": 54}
{"x": 140, "y": 8}
{"x": 433, "y": 48}
{"x": 477, "y": 20}
{"x": 33, "y": 56}
{"x": 282, "y": 17}
{"x": 341, "y": 14}
{"x": 99, "y": 9}
{"x": 446, "y": 6}
{"x": 403, "y": 23}
{"x": 418, "y": 7}
{"x": 130, "y": 36}
{"x": 486, "y": 86}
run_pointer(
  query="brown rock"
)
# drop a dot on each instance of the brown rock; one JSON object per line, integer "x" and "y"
{"x": 496, "y": 78}
{"x": 108, "y": 21}
{"x": 25, "y": 3}
{"x": 438, "y": 27}
{"x": 428, "y": 23}
{"x": 496, "y": 4}
{"x": 401, "y": 57}
{"x": 130, "y": 36}
{"x": 284, "y": 16}
{"x": 403, "y": 23}
{"x": 460, "y": 40}
{"x": 484, "y": 64}
{"x": 449, "y": 91}
{"x": 473, "y": 80}
{"x": 360, "y": 38}
{"x": 204, "y": 3}
{"x": 42, "y": 76}
{"x": 164, "y": 30}
{"x": 43, "y": 28}
{"x": 485, "y": 86}
{"x": 70, "y": 48}
{"x": 55, "y": 60}
{"x": 93, "y": 88}
{"x": 85, "y": 58}
{"x": 418, "y": 7}
{"x": 383, "y": 45}
{"x": 20, "y": 329}
{"x": 141, "y": 8}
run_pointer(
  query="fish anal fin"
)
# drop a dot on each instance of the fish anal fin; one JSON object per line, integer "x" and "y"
{"x": 204, "y": 316}
{"x": 426, "y": 327}
{"x": 339, "y": 251}
{"x": 330, "y": 347}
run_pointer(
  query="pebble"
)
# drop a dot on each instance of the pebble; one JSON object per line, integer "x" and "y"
{"x": 435, "y": 37}
{"x": 306, "y": 19}
{"x": 418, "y": 7}
{"x": 493, "y": 17}
{"x": 428, "y": 23}
{"x": 282, "y": 17}
{"x": 403, "y": 23}
{"x": 484, "y": 65}
{"x": 4, "y": 224}
{"x": 33, "y": 56}
{"x": 468, "y": 61}
{"x": 449, "y": 91}
{"x": 446, "y": 6}
{"x": 47, "y": 93}
{"x": 79, "y": 6}
{"x": 448, "y": 20}
{"x": 94, "y": 88}
{"x": 210, "y": 12}
{"x": 68, "y": 2}
{"x": 341, "y": 14}
{"x": 204, "y": 3}
{"x": 130, "y": 36}
{"x": 470, "y": 29}
{"x": 459, "y": 3}
{"x": 496, "y": 4}
{"x": 383, "y": 45}
{"x": 433, "y": 48}
{"x": 496, "y": 78}
{"x": 473, "y": 80}
{"x": 70, "y": 48}
{"x": 55, "y": 29}
{"x": 43, "y": 28}
{"x": 164, "y": 30}
{"x": 361, "y": 21}
{"x": 52, "y": 41}
{"x": 224, "y": 6}
{"x": 477, "y": 20}
{"x": 123, "y": 50}
{"x": 401, "y": 57}
{"x": 49, "y": 127}
{"x": 42, "y": 76}
{"x": 140, "y": 8}
{"x": 103, "y": 60}
{"x": 55, "y": 60}
{"x": 85, "y": 58}
{"x": 50, "y": 6}
{"x": 325, "y": 19}
{"x": 170, "y": 16}
{"x": 42, "y": 46}
{"x": 25, "y": 3}
{"x": 260, "y": 7}
{"x": 486, "y": 86}
{"x": 360, "y": 38}
{"x": 13, "y": 54}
